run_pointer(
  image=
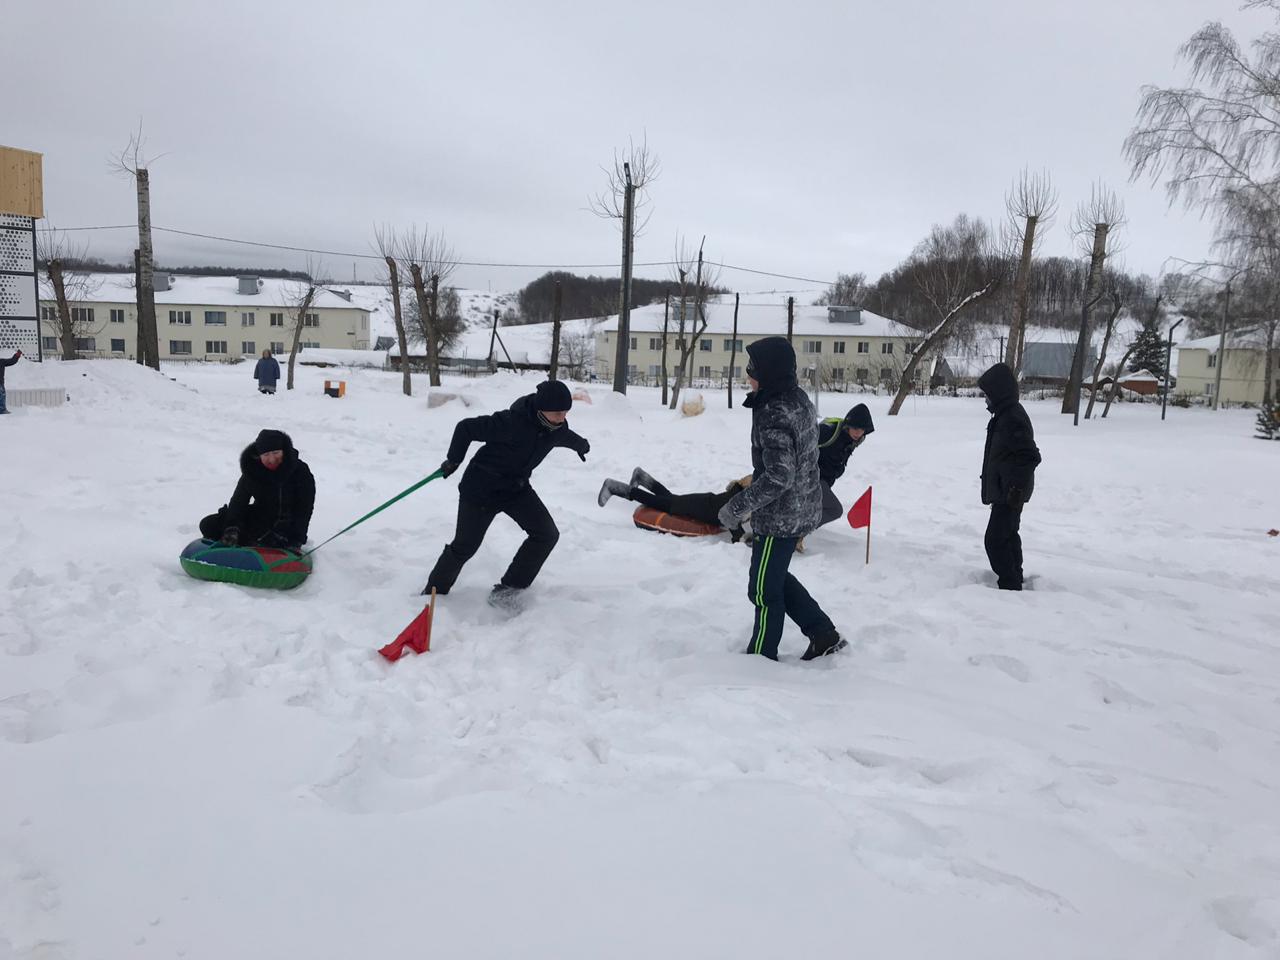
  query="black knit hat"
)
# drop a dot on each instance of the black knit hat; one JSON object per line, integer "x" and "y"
{"x": 269, "y": 440}
{"x": 552, "y": 395}
{"x": 859, "y": 417}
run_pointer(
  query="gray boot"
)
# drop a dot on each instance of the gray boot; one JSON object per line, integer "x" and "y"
{"x": 612, "y": 488}
{"x": 641, "y": 479}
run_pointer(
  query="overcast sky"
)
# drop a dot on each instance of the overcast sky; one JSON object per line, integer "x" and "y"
{"x": 800, "y": 137}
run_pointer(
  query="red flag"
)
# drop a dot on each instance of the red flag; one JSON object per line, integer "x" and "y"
{"x": 860, "y": 512}
{"x": 416, "y": 636}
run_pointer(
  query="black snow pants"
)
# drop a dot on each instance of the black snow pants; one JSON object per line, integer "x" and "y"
{"x": 474, "y": 516}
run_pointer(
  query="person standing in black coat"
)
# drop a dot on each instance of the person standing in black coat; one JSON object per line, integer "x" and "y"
{"x": 497, "y": 481}
{"x": 273, "y": 500}
{"x": 837, "y": 439}
{"x": 784, "y": 501}
{"x": 1009, "y": 464}
{"x": 267, "y": 372}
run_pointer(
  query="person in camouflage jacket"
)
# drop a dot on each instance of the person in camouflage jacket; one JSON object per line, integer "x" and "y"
{"x": 784, "y": 501}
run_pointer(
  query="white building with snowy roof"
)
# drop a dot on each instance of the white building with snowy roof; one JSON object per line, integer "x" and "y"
{"x": 1243, "y": 366}
{"x": 206, "y": 318}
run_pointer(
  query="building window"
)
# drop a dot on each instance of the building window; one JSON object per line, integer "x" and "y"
{"x": 837, "y": 373}
{"x": 87, "y": 344}
{"x": 733, "y": 345}
{"x": 655, "y": 343}
{"x": 215, "y": 346}
{"x": 886, "y": 347}
{"x": 837, "y": 347}
{"x": 179, "y": 347}
{"x": 277, "y": 347}
{"x": 704, "y": 372}
{"x": 246, "y": 319}
{"x": 311, "y": 320}
{"x": 864, "y": 346}
{"x": 117, "y": 346}
{"x": 309, "y": 345}
{"x": 631, "y": 371}
{"x": 82, "y": 315}
{"x": 49, "y": 314}
{"x": 705, "y": 345}
{"x": 180, "y": 316}
{"x": 277, "y": 319}
{"x": 862, "y": 375}
{"x": 886, "y": 373}
{"x": 248, "y": 346}
{"x": 1213, "y": 360}
{"x": 117, "y": 316}
{"x": 679, "y": 343}
{"x": 654, "y": 370}
{"x": 813, "y": 346}
{"x": 49, "y": 343}
{"x": 1208, "y": 389}
{"x": 216, "y": 317}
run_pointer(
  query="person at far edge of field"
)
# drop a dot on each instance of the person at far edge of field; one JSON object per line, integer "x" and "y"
{"x": 784, "y": 501}
{"x": 1009, "y": 463}
{"x": 267, "y": 372}
{"x": 496, "y": 481}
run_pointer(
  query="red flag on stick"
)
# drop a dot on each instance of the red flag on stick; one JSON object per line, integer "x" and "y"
{"x": 416, "y": 636}
{"x": 860, "y": 516}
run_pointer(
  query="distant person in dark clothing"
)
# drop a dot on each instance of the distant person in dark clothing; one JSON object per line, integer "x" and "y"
{"x": 267, "y": 372}
{"x": 703, "y": 507}
{"x": 837, "y": 439}
{"x": 273, "y": 500}
{"x": 6, "y": 363}
{"x": 784, "y": 501}
{"x": 497, "y": 481}
{"x": 1009, "y": 464}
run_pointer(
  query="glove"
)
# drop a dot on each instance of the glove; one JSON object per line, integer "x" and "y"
{"x": 1014, "y": 498}
{"x": 447, "y": 468}
{"x": 581, "y": 447}
{"x": 727, "y": 517}
{"x": 230, "y": 537}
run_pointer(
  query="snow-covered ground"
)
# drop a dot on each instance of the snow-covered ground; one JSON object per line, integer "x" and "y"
{"x": 1085, "y": 770}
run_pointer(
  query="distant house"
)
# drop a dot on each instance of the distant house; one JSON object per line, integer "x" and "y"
{"x": 1049, "y": 364}
{"x": 206, "y": 318}
{"x": 1243, "y": 363}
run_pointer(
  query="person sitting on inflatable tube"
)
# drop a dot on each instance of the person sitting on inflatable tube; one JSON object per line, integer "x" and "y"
{"x": 703, "y": 507}
{"x": 273, "y": 500}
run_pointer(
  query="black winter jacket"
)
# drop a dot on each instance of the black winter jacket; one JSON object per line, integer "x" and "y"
{"x": 6, "y": 363}
{"x": 1011, "y": 456}
{"x": 785, "y": 496}
{"x": 835, "y": 445}
{"x": 266, "y": 371}
{"x": 515, "y": 442}
{"x": 279, "y": 500}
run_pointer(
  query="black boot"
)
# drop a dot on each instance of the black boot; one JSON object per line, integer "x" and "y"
{"x": 824, "y": 645}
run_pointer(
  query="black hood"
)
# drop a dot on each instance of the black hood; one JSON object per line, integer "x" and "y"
{"x": 527, "y": 406}
{"x": 268, "y": 440}
{"x": 772, "y": 364}
{"x": 860, "y": 418}
{"x": 1000, "y": 386}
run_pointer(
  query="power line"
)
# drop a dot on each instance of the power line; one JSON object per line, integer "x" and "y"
{"x": 462, "y": 263}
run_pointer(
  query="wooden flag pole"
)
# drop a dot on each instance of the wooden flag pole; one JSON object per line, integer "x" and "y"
{"x": 868, "y": 541}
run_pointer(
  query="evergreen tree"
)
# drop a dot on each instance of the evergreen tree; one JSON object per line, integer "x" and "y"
{"x": 1149, "y": 352}
{"x": 1269, "y": 421}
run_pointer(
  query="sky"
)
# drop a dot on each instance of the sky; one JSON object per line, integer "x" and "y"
{"x": 802, "y": 138}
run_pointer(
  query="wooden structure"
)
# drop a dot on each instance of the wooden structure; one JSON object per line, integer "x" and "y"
{"x": 21, "y": 183}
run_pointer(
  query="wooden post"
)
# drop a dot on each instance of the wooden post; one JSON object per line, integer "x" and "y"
{"x": 733, "y": 348}
{"x": 623, "y": 352}
{"x": 137, "y": 299}
{"x": 868, "y": 541}
{"x": 555, "y": 332}
{"x": 433, "y": 354}
{"x": 493, "y": 367}
{"x": 666, "y": 319}
{"x": 791, "y": 316}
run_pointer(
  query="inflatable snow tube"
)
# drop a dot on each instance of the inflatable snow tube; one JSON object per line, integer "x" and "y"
{"x": 267, "y": 567}
{"x": 652, "y": 519}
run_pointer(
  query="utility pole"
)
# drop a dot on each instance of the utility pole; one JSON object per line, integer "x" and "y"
{"x": 622, "y": 353}
{"x": 1222, "y": 348}
{"x": 555, "y": 332}
{"x": 1168, "y": 359}
{"x": 791, "y": 316}
{"x": 733, "y": 348}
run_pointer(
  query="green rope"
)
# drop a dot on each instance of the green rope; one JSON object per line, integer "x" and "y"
{"x": 372, "y": 513}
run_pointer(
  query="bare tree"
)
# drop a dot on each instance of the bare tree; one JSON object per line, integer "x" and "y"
{"x": 1117, "y": 303}
{"x": 1095, "y": 222}
{"x": 959, "y": 270}
{"x": 691, "y": 321}
{"x": 429, "y": 259}
{"x": 388, "y": 248}
{"x": 625, "y": 199}
{"x": 1030, "y": 204}
{"x": 849, "y": 290}
{"x": 300, "y": 295}
{"x": 67, "y": 287}
{"x": 132, "y": 163}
